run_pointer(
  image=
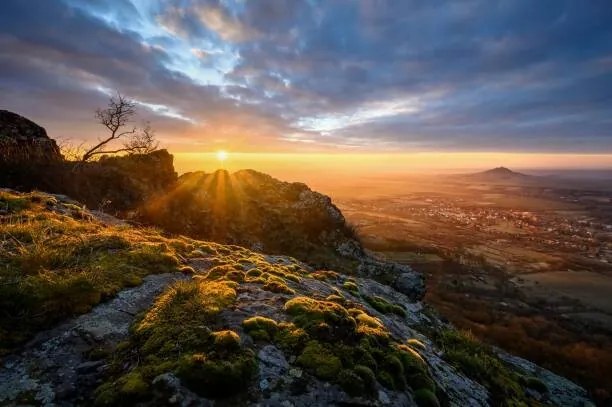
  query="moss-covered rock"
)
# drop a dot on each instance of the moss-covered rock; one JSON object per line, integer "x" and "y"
{"x": 320, "y": 360}
{"x": 260, "y": 328}
{"x": 217, "y": 377}
{"x": 426, "y": 398}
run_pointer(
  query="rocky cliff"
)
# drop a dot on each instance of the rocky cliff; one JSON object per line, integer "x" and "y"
{"x": 126, "y": 316}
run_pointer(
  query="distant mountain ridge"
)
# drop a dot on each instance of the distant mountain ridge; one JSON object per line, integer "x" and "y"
{"x": 498, "y": 174}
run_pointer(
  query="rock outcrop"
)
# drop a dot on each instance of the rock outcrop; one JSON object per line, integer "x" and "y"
{"x": 22, "y": 140}
{"x": 29, "y": 160}
{"x": 120, "y": 184}
{"x": 27, "y": 154}
{"x": 260, "y": 212}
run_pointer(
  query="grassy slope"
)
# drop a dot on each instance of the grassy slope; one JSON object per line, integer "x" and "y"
{"x": 56, "y": 260}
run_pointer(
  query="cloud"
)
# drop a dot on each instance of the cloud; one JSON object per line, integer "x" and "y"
{"x": 374, "y": 74}
{"x": 223, "y": 24}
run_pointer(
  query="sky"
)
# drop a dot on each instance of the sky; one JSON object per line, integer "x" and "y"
{"x": 334, "y": 77}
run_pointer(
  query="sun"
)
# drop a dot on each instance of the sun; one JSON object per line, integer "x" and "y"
{"x": 222, "y": 155}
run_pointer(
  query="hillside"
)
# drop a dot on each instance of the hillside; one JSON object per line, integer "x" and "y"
{"x": 252, "y": 209}
{"x": 123, "y": 315}
{"x": 271, "y": 216}
{"x": 498, "y": 175}
{"x": 247, "y": 208}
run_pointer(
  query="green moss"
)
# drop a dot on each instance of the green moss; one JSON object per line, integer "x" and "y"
{"x": 256, "y": 280}
{"x": 217, "y": 378}
{"x": 291, "y": 338}
{"x": 412, "y": 362}
{"x": 278, "y": 287}
{"x": 321, "y": 319}
{"x": 174, "y": 336}
{"x": 371, "y": 327}
{"x": 336, "y": 298}
{"x": 226, "y": 341}
{"x": 260, "y": 328}
{"x": 13, "y": 203}
{"x": 293, "y": 277}
{"x": 384, "y": 306}
{"x": 391, "y": 372}
{"x": 254, "y": 272}
{"x": 325, "y": 275}
{"x": 367, "y": 376}
{"x": 351, "y": 286}
{"x": 235, "y": 275}
{"x": 320, "y": 361}
{"x": 128, "y": 390}
{"x": 426, "y": 398}
{"x": 219, "y": 272}
{"x": 134, "y": 387}
{"x": 131, "y": 280}
{"x": 106, "y": 395}
{"x": 360, "y": 355}
{"x": 415, "y": 343}
{"x": 478, "y": 362}
{"x": 351, "y": 382}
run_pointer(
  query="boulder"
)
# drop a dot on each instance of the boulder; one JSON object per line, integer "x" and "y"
{"x": 23, "y": 140}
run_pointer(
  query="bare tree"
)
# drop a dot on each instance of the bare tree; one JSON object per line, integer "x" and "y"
{"x": 116, "y": 118}
{"x": 143, "y": 142}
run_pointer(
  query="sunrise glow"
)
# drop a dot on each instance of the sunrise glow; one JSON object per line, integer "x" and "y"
{"x": 221, "y": 155}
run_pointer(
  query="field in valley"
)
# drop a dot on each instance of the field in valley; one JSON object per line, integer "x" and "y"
{"x": 523, "y": 265}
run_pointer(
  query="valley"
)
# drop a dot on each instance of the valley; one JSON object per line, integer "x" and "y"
{"x": 522, "y": 262}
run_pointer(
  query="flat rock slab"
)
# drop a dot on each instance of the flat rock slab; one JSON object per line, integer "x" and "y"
{"x": 53, "y": 368}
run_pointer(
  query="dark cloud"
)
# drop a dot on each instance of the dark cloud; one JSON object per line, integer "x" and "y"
{"x": 466, "y": 75}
